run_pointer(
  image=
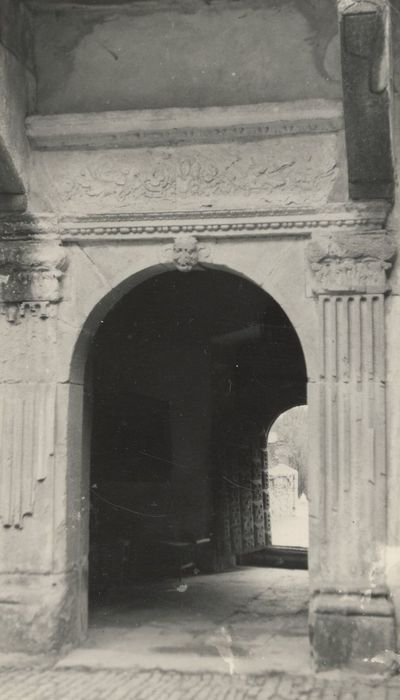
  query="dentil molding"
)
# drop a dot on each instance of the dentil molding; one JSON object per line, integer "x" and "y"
{"x": 226, "y": 224}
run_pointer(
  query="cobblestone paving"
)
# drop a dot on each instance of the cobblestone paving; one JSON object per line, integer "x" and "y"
{"x": 156, "y": 685}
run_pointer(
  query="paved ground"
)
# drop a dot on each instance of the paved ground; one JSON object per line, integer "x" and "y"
{"x": 249, "y": 620}
{"x": 157, "y": 685}
{"x": 233, "y": 636}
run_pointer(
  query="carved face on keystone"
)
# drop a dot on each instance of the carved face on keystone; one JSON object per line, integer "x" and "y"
{"x": 185, "y": 253}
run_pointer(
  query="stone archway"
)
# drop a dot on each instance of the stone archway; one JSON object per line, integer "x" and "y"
{"x": 79, "y": 436}
{"x": 239, "y": 511}
{"x": 342, "y": 318}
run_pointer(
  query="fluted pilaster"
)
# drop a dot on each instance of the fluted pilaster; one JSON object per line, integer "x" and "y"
{"x": 348, "y": 445}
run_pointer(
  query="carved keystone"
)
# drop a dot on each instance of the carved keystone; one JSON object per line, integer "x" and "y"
{"x": 351, "y": 263}
{"x": 185, "y": 253}
{"x": 31, "y": 278}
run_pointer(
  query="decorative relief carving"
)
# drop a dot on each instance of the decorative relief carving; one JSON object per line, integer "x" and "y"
{"x": 351, "y": 263}
{"x": 272, "y": 171}
{"x": 185, "y": 253}
{"x": 31, "y": 276}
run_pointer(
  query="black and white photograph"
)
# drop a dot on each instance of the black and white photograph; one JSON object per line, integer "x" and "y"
{"x": 199, "y": 350}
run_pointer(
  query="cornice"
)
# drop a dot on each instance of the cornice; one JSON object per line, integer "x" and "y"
{"x": 228, "y": 224}
{"x": 222, "y": 225}
{"x": 179, "y": 126}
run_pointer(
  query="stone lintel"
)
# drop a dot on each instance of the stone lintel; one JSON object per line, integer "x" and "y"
{"x": 178, "y": 126}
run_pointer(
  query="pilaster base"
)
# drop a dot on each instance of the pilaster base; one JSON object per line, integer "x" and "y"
{"x": 41, "y": 613}
{"x": 349, "y": 630}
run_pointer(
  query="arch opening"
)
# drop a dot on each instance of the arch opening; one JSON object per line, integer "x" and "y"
{"x": 184, "y": 373}
{"x": 287, "y": 464}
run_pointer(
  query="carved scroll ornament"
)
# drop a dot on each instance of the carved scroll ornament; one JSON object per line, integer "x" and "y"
{"x": 351, "y": 263}
{"x": 31, "y": 276}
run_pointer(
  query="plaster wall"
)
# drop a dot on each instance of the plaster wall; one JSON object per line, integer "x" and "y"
{"x": 197, "y": 54}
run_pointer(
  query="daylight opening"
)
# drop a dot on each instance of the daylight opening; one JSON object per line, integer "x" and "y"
{"x": 286, "y": 457}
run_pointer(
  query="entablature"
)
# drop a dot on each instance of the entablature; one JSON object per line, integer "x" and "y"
{"x": 225, "y": 224}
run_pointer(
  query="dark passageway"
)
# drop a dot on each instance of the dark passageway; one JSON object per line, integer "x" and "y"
{"x": 188, "y": 372}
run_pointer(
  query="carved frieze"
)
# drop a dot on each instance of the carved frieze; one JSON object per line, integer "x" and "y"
{"x": 30, "y": 278}
{"x": 351, "y": 263}
{"x": 163, "y": 179}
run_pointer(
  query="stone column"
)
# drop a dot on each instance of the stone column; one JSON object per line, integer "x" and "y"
{"x": 31, "y": 596}
{"x": 351, "y": 613}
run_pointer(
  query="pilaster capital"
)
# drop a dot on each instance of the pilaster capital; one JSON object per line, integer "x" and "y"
{"x": 30, "y": 274}
{"x": 351, "y": 263}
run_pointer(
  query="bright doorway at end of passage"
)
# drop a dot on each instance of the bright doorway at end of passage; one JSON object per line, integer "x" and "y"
{"x": 286, "y": 457}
